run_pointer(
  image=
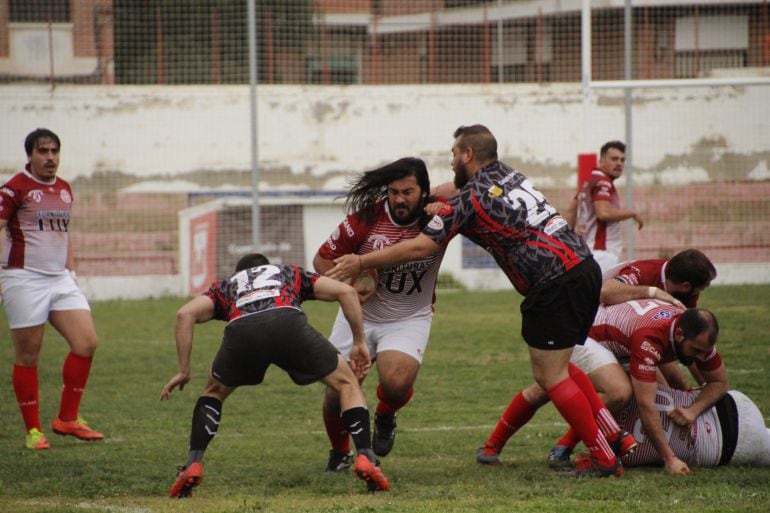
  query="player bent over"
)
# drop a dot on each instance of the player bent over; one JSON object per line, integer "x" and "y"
{"x": 651, "y": 335}
{"x": 261, "y": 303}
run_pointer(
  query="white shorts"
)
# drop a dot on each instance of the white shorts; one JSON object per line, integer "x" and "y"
{"x": 28, "y": 297}
{"x": 753, "y": 445}
{"x": 409, "y": 336}
{"x": 605, "y": 259}
{"x": 591, "y": 355}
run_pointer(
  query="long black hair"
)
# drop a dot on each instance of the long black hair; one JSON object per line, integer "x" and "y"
{"x": 372, "y": 186}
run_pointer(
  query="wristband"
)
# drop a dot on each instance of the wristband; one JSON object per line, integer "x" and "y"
{"x": 651, "y": 292}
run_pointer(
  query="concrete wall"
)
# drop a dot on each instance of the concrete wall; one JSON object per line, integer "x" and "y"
{"x": 311, "y": 133}
{"x": 313, "y": 137}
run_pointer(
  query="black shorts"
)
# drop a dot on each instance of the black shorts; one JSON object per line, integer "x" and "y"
{"x": 559, "y": 313}
{"x": 282, "y": 337}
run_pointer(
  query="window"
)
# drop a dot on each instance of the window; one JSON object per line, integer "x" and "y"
{"x": 338, "y": 70}
{"x": 705, "y": 43}
{"x": 522, "y": 53}
{"x": 39, "y": 11}
{"x": 464, "y": 3}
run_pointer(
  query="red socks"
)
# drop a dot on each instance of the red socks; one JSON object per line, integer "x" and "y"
{"x": 336, "y": 431}
{"x": 517, "y": 414}
{"x": 25, "y": 384}
{"x": 387, "y": 407}
{"x": 576, "y": 410}
{"x": 602, "y": 415}
{"x": 74, "y": 377}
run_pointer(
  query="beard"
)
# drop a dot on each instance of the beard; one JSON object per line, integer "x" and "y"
{"x": 683, "y": 296}
{"x": 461, "y": 176}
{"x": 681, "y": 357}
{"x": 403, "y": 215}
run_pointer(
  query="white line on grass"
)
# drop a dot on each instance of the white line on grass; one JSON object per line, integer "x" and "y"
{"x": 88, "y": 505}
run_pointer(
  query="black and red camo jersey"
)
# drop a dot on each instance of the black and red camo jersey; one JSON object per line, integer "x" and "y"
{"x": 260, "y": 289}
{"x": 501, "y": 211}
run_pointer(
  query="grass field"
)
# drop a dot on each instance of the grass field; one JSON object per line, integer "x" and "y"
{"x": 271, "y": 450}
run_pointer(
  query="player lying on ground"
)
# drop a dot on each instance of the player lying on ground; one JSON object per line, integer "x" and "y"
{"x": 730, "y": 432}
{"x": 650, "y": 335}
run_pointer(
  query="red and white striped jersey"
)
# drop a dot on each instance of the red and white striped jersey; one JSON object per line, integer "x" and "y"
{"x": 403, "y": 290}
{"x": 38, "y": 216}
{"x": 642, "y": 333}
{"x": 699, "y": 445}
{"x": 598, "y": 234}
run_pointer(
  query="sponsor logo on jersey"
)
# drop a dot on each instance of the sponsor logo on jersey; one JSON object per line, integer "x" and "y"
{"x": 335, "y": 233}
{"x": 648, "y": 368}
{"x": 647, "y": 347}
{"x": 554, "y": 225}
{"x": 436, "y": 223}
{"x": 378, "y": 241}
{"x": 9, "y": 192}
{"x": 36, "y": 195}
{"x": 420, "y": 265}
{"x": 65, "y": 196}
{"x": 348, "y": 229}
{"x": 256, "y": 296}
{"x": 53, "y": 214}
{"x": 495, "y": 192}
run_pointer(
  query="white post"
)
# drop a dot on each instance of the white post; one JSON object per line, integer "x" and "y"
{"x": 585, "y": 34}
{"x": 255, "y": 220}
{"x": 500, "y": 68}
{"x": 628, "y": 56}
